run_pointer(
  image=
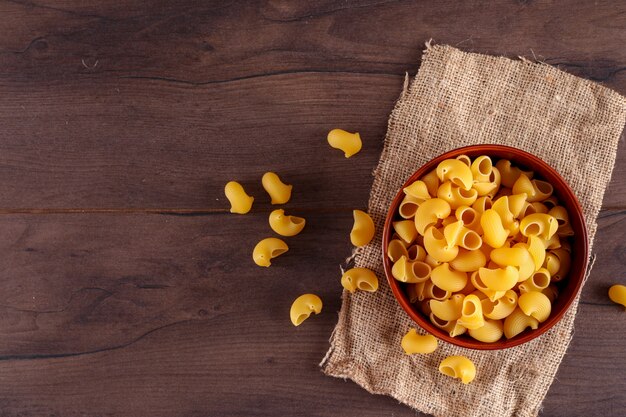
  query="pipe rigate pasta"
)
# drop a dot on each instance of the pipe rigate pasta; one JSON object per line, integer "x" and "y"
{"x": 449, "y": 309}
{"x": 279, "y": 192}
{"x": 240, "y": 202}
{"x": 451, "y": 326}
{"x": 468, "y": 260}
{"x": 414, "y": 343}
{"x": 406, "y": 230}
{"x": 359, "y": 278}
{"x": 429, "y": 213}
{"x": 456, "y": 172}
{"x": 447, "y": 279}
{"x": 536, "y": 305}
{"x": 436, "y": 245}
{"x": 516, "y": 322}
{"x": 471, "y": 313}
{"x": 303, "y": 306}
{"x": 285, "y": 225}
{"x": 617, "y": 294}
{"x": 456, "y": 196}
{"x": 418, "y": 190}
{"x": 363, "y": 230}
{"x": 494, "y": 232}
{"x": 478, "y": 245}
{"x": 349, "y": 143}
{"x": 396, "y": 249}
{"x": 490, "y": 332}
{"x": 268, "y": 249}
{"x": 458, "y": 367}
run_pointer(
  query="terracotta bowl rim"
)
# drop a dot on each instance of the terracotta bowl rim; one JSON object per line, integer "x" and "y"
{"x": 575, "y": 277}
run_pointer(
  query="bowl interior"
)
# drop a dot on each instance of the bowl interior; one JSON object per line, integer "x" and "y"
{"x": 568, "y": 288}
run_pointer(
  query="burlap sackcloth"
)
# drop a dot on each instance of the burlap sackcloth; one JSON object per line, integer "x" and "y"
{"x": 460, "y": 99}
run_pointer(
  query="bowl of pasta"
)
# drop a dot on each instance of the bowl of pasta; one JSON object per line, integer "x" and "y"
{"x": 485, "y": 247}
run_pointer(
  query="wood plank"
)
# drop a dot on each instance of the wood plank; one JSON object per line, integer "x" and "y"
{"x": 167, "y": 315}
{"x": 216, "y": 100}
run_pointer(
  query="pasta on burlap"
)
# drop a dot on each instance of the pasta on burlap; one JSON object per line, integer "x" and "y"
{"x": 459, "y": 99}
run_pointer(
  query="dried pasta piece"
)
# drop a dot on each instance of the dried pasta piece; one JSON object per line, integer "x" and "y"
{"x": 279, "y": 192}
{"x": 489, "y": 188}
{"x": 240, "y": 202}
{"x": 539, "y": 224}
{"x": 429, "y": 213}
{"x": 396, "y": 249}
{"x": 468, "y": 260}
{"x": 456, "y": 196}
{"x": 359, "y": 278}
{"x": 458, "y": 367}
{"x": 452, "y": 327}
{"x": 418, "y": 190}
{"x": 363, "y": 229}
{"x": 285, "y": 225}
{"x": 415, "y": 343}
{"x": 408, "y": 206}
{"x": 432, "y": 182}
{"x": 565, "y": 261}
{"x": 349, "y": 143}
{"x": 494, "y": 232}
{"x": 543, "y": 189}
{"x": 481, "y": 168}
{"x": 490, "y": 332}
{"x": 437, "y": 247}
{"x": 410, "y": 272}
{"x": 518, "y": 256}
{"x": 406, "y": 230}
{"x": 501, "y": 307}
{"x": 517, "y": 322}
{"x": 617, "y": 294}
{"x": 447, "y": 279}
{"x": 455, "y": 171}
{"x": 471, "y": 313}
{"x": 539, "y": 281}
{"x": 268, "y": 249}
{"x": 303, "y": 306}
{"x": 416, "y": 253}
{"x": 465, "y": 159}
{"x": 536, "y": 305}
{"x": 525, "y": 186}
{"x": 449, "y": 309}
{"x": 500, "y": 279}
{"x": 469, "y": 217}
{"x": 537, "y": 250}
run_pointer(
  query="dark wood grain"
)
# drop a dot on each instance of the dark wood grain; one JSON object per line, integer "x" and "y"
{"x": 126, "y": 288}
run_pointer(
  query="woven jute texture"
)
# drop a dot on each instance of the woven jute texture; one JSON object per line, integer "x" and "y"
{"x": 460, "y": 99}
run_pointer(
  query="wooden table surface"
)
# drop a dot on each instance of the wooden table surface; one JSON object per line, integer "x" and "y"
{"x": 127, "y": 289}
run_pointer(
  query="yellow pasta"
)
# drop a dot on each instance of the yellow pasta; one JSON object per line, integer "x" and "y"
{"x": 564, "y": 264}
{"x": 471, "y": 313}
{"x": 469, "y": 217}
{"x": 468, "y": 260}
{"x": 542, "y": 189}
{"x": 482, "y": 204}
{"x": 492, "y": 295}
{"x": 414, "y": 291}
{"x": 436, "y": 246}
{"x": 494, "y": 233}
{"x": 525, "y": 186}
{"x": 481, "y": 168}
{"x": 488, "y": 188}
{"x": 396, "y": 249}
{"x": 349, "y": 143}
{"x": 539, "y": 281}
{"x": 501, "y": 206}
{"x": 449, "y": 309}
{"x": 518, "y": 256}
{"x": 455, "y": 171}
{"x": 359, "y": 278}
{"x": 416, "y": 253}
{"x": 430, "y": 290}
{"x": 429, "y": 213}
{"x": 490, "y": 332}
{"x": 268, "y": 249}
{"x": 501, "y": 307}
{"x": 418, "y": 190}
{"x": 432, "y": 182}
{"x": 408, "y": 206}
{"x": 538, "y": 224}
{"x": 457, "y": 234}
{"x": 415, "y": 343}
{"x": 363, "y": 229}
{"x": 240, "y": 202}
{"x": 452, "y": 327}
{"x": 279, "y": 192}
{"x": 465, "y": 159}
{"x": 458, "y": 367}
{"x": 562, "y": 217}
{"x": 411, "y": 272}
{"x": 552, "y": 264}
{"x": 553, "y": 243}
{"x": 536, "y": 305}
{"x": 285, "y": 225}
{"x": 303, "y": 306}
{"x": 406, "y": 230}
{"x": 500, "y": 279}
{"x": 537, "y": 250}
{"x": 617, "y": 294}
{"x": 448, "y": 279}
{"x": 509, "y": 173}
{"x": 517, "y": 322}
{"x": 456, "y": 196}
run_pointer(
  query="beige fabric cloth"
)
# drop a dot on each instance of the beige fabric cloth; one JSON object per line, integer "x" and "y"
{"x": 460, "y": 99}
